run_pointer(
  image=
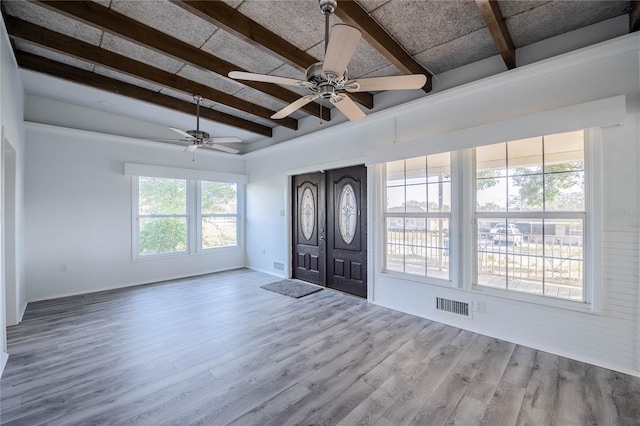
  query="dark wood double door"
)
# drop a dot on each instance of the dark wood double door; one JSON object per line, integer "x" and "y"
{"x": 330, "y": 229}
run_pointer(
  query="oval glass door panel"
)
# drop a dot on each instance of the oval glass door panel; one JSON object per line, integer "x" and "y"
{"x": 307, "y": 213}
{"x": 347, "y": 213}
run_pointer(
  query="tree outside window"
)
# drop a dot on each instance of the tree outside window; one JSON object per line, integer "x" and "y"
{"x": 167, "y": 216}
{"x": 530, "y": 214}
{"x": 219, "y": 212}
{"x": 162, "y": 215}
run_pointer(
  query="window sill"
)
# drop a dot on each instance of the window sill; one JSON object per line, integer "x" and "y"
{"x": 550, "y": 302}
{"x": 218, "y": 249}
{"x": 209, "y": 251}
{"x": 143, "y": 258}
{"x": 419, "y": 279}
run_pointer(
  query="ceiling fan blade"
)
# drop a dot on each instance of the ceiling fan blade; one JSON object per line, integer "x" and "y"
{"x": 191, "y": 147}
{"x": 348, "y": 107}
{"x": 398, "y": 82}
{"x": 342, "y": 44}
{"x": 182, "y": 133}
{"x": 294, "y": 106}
{"x": 241, "y": 75}
{"x": 224, "y": 148}
{"x": 227, "y": 139}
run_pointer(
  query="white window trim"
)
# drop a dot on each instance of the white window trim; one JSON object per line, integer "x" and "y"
{"x": 462, "y": 250}
{"x": 237, "y": 215}
{"x": 592, "y": 232}
{"x": 194, "y": 217}
{"x": 135, "y": 223}
{"x": 135, "y": 169}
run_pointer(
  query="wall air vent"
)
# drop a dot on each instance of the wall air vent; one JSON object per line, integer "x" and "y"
{"x": 278, "y": 266}
{"x": 453, "y": 306}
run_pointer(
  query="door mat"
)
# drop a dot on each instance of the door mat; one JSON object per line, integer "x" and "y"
{"x": 292, "y": 288}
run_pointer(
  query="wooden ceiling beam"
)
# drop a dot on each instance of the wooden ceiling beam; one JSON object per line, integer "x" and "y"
{"x": 634, "y": 16}
{"x": 88, "y": 78}
{"x": 109, "y": 20}
{"x": 226, "y": 17}
{"x": 353, "y": 14}
{"x": 490, "y": 11}
{"x": 23, "y": 30}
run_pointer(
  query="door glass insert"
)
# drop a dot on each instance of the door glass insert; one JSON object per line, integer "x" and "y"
{"x": 307, "y": 213}
{"x": 347, "y": 213}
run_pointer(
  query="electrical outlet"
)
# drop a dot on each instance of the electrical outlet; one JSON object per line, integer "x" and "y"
{"x": 479, "y": 307}
{"x": 63, "y": 267}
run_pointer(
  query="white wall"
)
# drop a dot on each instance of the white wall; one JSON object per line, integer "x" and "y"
{"x": 79, "y": 212}
{"x": 265, "y": 204}
{"x": 11, "y": 113}
{"x": 609, "y": 339}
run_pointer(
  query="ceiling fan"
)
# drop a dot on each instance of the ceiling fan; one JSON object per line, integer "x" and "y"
{"x": 329, "y": 79}
{"x": 199, "y": 138}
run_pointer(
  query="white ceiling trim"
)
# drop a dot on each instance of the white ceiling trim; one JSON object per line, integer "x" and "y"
{"x": 106, "y": 137}
{"x": 135, "y": 169}
{"x": 587, "y": 55}
{"x": 603, "y": 112}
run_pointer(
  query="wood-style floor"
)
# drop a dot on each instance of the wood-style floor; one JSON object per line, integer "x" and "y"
{"x": 219, "y": 350}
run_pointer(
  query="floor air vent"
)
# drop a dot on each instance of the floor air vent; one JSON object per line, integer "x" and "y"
{"x": 453, "y": 306}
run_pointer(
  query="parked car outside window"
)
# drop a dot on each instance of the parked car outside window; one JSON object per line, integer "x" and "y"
{"x": 511, "y": 236}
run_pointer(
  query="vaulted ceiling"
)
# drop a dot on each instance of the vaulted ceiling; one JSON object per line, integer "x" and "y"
{"x": 165, "y": 52}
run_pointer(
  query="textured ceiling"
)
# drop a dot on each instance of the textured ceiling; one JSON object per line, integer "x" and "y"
{"x": 439, "y": 35}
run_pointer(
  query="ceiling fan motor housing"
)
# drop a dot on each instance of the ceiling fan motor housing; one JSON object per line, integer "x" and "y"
{"x": 315, "y": 75}
{"x": 198, "y": 134}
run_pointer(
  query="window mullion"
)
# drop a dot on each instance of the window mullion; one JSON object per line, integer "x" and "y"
{"x": 194, "y": 209}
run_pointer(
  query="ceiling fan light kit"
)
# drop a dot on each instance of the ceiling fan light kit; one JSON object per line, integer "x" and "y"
{"x": 329, "y": 79}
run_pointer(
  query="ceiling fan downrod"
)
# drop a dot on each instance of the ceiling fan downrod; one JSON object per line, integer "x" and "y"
{"x": 327, "y": 7}
{"x": 197, "y": 134}
{"x": 198, "y": 99}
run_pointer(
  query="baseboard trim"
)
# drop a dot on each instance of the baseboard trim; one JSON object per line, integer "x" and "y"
{"x": 275, "y": 274}
{"x": 4, "y": 357}
{"x": 522, "y": 342}
{"x": 136, "y": 284}
{"x": 21, "y": 313}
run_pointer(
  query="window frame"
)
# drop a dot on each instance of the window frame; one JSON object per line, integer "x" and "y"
{"x": 591, "y": 232}
{"x": 452, "y": 216}
{"x": 200, "y": 216}
{"x": 193, "y": 216}
{"x": 463, "y": 235}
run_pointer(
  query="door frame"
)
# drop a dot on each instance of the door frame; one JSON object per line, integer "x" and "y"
{"x": 372, "y": 197}
{"x": 9, "y": 256}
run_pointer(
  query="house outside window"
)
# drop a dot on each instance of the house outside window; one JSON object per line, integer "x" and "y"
{"x": 418, "y": 216}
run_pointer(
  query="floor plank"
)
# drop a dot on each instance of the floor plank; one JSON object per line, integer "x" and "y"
{"x": 217, "y": 349}
{"x": 504, "y": 406}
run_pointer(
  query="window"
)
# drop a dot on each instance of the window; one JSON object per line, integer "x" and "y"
{"x": 168, "y": 220}
{"x": 162, "y": 215}
{"x": 530, "y": 216}
{"x": 219, "y": 214}
{"x": 418, "y": 215}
